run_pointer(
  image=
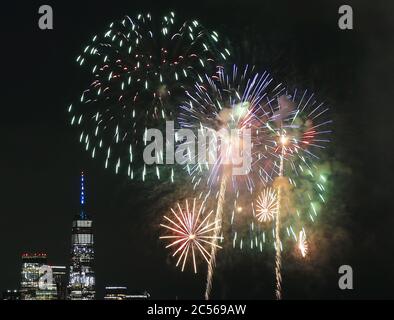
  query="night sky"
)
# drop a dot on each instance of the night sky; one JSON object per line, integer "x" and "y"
{"x": 300, "y": 43}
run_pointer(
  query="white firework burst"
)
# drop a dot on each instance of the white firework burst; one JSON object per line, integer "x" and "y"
{"x": 267, "y": 205}
{"x": 192, "y": 231}
{"x": 303, "y": 244}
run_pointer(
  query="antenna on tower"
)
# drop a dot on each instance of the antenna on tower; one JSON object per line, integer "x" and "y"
{"x": 83, "y": 214}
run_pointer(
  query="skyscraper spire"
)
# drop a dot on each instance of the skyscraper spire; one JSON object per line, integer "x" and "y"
{"x": 83, "y": 213}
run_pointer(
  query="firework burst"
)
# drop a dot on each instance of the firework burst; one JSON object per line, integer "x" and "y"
{"x": 192, "y": 232}
{"x": 227, "y": 103}
{"x": 300, "y": 128}
{"x": 302, "y": 244}
{"x": 140, "y": 67}
{"x": 266, "y": 205}
{"x": 230, "y": 107}
{"x": 298, "y": 131}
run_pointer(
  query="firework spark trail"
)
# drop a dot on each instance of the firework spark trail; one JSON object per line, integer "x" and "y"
{"x": 278, "y": 258}
{"x": 218, "y": 228}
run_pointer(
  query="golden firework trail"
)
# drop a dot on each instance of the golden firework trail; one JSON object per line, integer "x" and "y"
{"x": 278, "y": 245}
{"x": 218, "y": 227}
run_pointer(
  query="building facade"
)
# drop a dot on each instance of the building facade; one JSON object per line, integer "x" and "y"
{"x": 81, "y": 285}
{"x": 33, "y": 269}
{"x": 59, "y": 274}
{"x": 115, "y": 293}
{"x": 40, "y": 281}
{"x": 121, "y": 293}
